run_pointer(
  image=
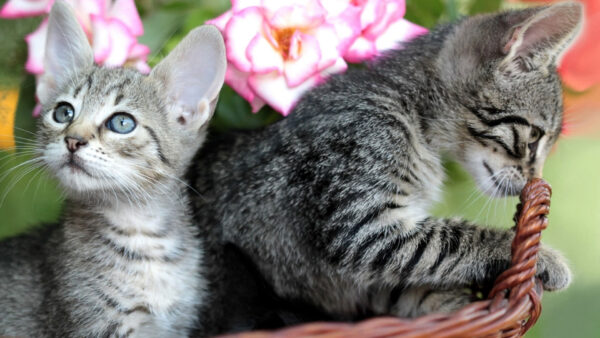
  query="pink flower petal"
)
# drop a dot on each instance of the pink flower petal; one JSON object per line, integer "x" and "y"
{"x": 101, "y": 43}
{"x": 295, "y": 45}
{"x": 273, "y": 89}
{"x": 339, "y": 66}
{"x": 14, "y": 9}
{"x": 392, "y": 11}
{"x": 121, "y": 42}
{"x": 240, "y": 31}
{"x": 297, "y": 16}
{"x": 329, "y": 43}
{"x": 263, "y": 57}
{"x": 362, "y": 49}
{"x": 126, "y": 12}
{"x": 142, "y": 66}
{"x": 36, "y": 43}
{"x": 335, "y": 8}
{"x": 372, "y": 11}
{"x": 399, "y": 31}
{"x": 310, "y": 7}
{"x": 89, "y": 7}
{"x": 221, "y": 21}
{"x": 112, "y": 41}
{"x": 85, "y": 9}
{"x": 139, "y": 51}
{"x": 346, "y": 25}
{"x": 37, "y": 110}
{"x": 238, "y": 5}
{"x": 306, "y": 64}
{"x": 239, "y": 82}
{"x": 257, "y": 104}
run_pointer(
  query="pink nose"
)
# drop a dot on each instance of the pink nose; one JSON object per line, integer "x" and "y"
{"x": 74, "y": 143}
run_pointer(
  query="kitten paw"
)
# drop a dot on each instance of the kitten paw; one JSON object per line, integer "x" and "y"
{"x": 552, "y": 269}
{"x": 445, "y": 301}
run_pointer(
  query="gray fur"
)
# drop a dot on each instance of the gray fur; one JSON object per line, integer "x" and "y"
{"x": 332, "y": 202}
{"x": 125, "y": 259}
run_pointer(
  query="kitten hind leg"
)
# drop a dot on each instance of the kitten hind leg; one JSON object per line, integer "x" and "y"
{"x": 421, "y": 301}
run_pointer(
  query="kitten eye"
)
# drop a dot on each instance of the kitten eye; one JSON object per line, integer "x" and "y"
{"x": 534, "y": 136}
{"x": 121, "y": 123}
{"x": 63, "y": 113}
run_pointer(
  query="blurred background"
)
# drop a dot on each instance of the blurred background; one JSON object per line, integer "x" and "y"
{"x": 29, "y": 197}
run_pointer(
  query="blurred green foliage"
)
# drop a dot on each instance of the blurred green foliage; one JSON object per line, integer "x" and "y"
{"x": 29, "y": 197}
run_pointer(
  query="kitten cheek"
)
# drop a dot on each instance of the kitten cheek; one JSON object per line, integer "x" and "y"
{"x": 483, "y": 168}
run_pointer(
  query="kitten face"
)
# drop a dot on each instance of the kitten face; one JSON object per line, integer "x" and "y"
{"x": 510, "y": 129}
{"x": 501, "y": 70}
{"x": 109, "y": 132}
{"x": 116, "y": 131}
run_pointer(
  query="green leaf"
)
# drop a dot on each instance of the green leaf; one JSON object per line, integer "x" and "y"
{"x": 28, "y": 196}
{"x": 159, "y": 27}
{"x": 14, "y": 49}
{"x": 484, "y": 6}
{"x": 452, "y": 10}
{"x": 198, "y": 17}
{"x": 25, "y": 124}
{"x": 426, "y": 13}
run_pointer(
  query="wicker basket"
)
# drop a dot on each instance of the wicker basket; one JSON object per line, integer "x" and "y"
{"x": 512, "y": 307}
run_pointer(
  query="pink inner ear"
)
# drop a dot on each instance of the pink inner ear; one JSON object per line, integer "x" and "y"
{"x": 513, "y": 40}
{"x": 547, "y": 32}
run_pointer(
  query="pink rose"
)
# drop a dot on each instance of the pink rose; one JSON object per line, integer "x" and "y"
{"x": 278, "y": 49}
{"x": 14, "y": 9}
{"x": 382, "y": 28}
{"x": 111, "y": 27}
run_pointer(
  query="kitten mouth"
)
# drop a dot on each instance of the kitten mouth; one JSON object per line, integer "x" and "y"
{"x": 74, "y": 164}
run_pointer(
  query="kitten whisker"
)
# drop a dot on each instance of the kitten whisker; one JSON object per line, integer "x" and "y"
{"x": 25, "y": 163}
{"x": 14, "y": 182}
{"x": 166, "y": 174}
{"x": 24, "y": 130}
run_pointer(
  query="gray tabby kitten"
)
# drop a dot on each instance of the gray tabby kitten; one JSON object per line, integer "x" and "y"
{"x": 125, "y": 259}
{"x": 331, "y": 203}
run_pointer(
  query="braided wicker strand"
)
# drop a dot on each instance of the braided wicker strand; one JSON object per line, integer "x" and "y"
{"x": 512, "y": 307}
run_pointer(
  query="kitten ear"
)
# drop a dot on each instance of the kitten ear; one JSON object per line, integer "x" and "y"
{"x": 542, "y": 39}
{"x": 192, "y": 75}
{"x": 67, "y": 51}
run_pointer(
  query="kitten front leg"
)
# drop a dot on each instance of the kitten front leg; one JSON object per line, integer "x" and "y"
{"x": 445, "y": 253}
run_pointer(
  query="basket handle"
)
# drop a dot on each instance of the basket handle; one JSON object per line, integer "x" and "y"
{"x": 531, "y": 220}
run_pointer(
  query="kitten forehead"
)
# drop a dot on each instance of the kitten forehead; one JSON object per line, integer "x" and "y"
{"x": 104, "y": 91}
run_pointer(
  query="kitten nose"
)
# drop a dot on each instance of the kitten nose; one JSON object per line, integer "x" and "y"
{"x": 74, "y": 142}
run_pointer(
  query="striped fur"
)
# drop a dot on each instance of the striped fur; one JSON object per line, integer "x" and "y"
{"x": 125, "y": 259}
{"x": 332, "y": 203}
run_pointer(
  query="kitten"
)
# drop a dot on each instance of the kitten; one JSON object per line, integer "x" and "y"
{"x": 332, "y": 202}
{"x": 125, "y": 259}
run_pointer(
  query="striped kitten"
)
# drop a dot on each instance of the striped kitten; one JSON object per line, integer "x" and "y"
{"x": 125, "y": 259}
{"x": 332, "y": 202}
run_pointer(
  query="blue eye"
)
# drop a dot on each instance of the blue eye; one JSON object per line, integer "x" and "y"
{"x": 121, "y": 123}
{"x": 63, "y": 112}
